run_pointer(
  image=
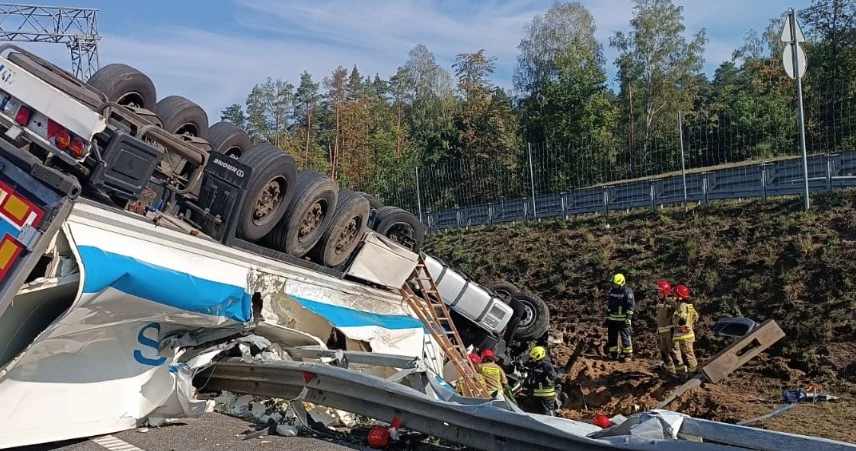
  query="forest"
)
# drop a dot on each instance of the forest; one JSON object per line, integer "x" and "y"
{"x": 564, "y": 125}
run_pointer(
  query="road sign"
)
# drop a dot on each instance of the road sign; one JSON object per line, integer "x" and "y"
{"x": 786, "y": 31}
{"x": 788, "y": 60}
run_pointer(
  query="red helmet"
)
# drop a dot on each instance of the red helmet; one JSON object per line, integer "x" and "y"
{"x": 475, "y": 359}
{"x": 682, "y": 291}
{"x": 488, "y": 354}
{"x": 664, "y": 287}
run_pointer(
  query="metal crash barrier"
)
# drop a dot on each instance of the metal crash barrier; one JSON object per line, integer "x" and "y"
{"x": 481, "y": 426}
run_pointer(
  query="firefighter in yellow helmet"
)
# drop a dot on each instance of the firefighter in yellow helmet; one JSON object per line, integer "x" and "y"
{"x": 684, "y": 319}
{"x": 541, "y": 382}
{"x": 620, "y": 305}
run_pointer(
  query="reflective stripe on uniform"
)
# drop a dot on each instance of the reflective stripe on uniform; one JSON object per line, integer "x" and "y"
{"x": 628, "y": 350}
{"x": 684, "y": 337}
{"x": 548, "y": 392}
{"x": 664, "y": 330}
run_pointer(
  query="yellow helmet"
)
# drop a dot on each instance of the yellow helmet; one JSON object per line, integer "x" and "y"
{"x": 537, "y": 353}
{"x": 618, "y": 279}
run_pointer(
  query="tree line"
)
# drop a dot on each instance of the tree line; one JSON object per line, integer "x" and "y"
{"x": 468, "y": 136}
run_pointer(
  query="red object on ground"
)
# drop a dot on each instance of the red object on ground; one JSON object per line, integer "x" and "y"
{"x": 601, "y": 421}
{"x": 379, "y": 437}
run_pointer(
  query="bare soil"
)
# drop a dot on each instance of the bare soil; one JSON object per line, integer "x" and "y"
{"x": 762, "y": 260}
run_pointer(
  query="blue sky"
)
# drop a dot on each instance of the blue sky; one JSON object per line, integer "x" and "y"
{"x": 214, "y": 51}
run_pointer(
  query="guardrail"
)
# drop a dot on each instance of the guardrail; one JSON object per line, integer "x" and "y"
{"x": 481, "y": 426}
{"x": 763, "y": 180}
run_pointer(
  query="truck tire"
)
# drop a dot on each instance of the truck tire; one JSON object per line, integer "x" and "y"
{"x": 536, "y": 318}
{"x": 503, "y": 288}
{"x": 182, "y": 117}
{"x": 269, "y": 191}
{"x": 374, "y": 205}
{"x": 308, "y": 215}
{"x": 125, "y": 85}
{"x": 400, "y": 226}
{"x": 349, "y": 221}
{"x": 228, "y": 139}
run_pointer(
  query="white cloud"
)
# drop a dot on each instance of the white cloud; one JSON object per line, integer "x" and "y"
{"x": 280, "y": 39}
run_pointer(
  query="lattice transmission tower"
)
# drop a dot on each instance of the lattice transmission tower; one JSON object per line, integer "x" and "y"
{"x": 77, "y": 28}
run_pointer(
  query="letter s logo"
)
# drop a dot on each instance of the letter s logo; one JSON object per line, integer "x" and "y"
{"x": 149, "y": 343}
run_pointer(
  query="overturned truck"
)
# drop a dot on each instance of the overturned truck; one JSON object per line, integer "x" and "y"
{"x": 128, "y": 222}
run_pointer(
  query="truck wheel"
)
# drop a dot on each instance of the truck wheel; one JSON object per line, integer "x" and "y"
{"x": 228, "y": 139}
{"x": 308, "y": 215}
{"x": 269, "y": 191}
{"x": 346, "y": 228}
{"x": 504, "y": 289}
{"x": 182, "y": 117}
{"x": 125, "y": 85}
{"x": 374, "y": 205}
{"x": 536, "y": 317}
{"x": 400, "y": 226}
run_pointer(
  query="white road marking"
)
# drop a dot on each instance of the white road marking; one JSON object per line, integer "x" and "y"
{"x": 114, "y": 444}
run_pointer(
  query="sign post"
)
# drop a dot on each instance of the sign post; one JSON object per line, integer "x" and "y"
{"x": 795, "y": 65}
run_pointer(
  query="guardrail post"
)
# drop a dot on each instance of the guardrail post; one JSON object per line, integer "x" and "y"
{"x": 490, "y": 213}
{"x": 828, "y": 172}
{"x": 764, "y": 182}
{"x": 704, "y": 188}
{"x": 458, "y": 217}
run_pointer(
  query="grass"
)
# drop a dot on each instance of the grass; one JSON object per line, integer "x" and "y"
{"x": 752, "y": 258}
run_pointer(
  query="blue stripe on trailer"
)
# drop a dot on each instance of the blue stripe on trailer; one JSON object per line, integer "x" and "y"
{"x": 162, "y": 285}
{"x": 347, "y": 317}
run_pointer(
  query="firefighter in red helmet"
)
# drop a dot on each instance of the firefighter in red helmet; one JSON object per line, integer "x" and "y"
{"x": 683, "y": 336}
{"x": 666, "y": 304}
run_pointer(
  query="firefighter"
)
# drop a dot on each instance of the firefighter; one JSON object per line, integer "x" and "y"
{"x": 666, "y": 303}
{"x": 621, "y": 304}
{"x": 683, "y": 320}
{"x": 477, "y": 362}
{"x": 494, "y": 376}
{"x": 541, "y": 382}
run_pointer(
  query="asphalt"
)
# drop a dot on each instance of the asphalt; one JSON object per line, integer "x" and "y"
{"x": 211, "y": 432}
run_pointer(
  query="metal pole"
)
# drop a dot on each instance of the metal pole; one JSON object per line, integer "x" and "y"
{"x": 683, "y": 167}
{"x": 418, "y": 195}
{"x": 793, "y": 23}
{"x": 532, "y": 180}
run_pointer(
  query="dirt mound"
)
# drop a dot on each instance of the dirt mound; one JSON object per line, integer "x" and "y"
{"x": 761, "y": 260}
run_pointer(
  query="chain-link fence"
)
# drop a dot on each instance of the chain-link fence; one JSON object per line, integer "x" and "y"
{"x": 748, "y": 148}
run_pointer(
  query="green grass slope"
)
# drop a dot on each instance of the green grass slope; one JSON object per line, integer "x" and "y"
{"x": 755, "y": 259}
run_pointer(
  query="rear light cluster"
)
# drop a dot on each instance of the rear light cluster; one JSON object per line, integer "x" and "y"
{"x": 62, "y": 138}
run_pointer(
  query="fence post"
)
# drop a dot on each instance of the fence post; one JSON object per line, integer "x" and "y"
{"x": 704, "y": 188}
{"x": 532, "y": 180}
{"x": 653, "y": 197}
{"x": 764, "y": 182}
{"x": 605, "y": 200}
{"x": 829, "y": 172}
{"x": 683, "y": 166}
{"x": 418, "y": 195}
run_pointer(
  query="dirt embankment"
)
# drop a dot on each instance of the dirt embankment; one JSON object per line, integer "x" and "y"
{"x": 754, "y": 259}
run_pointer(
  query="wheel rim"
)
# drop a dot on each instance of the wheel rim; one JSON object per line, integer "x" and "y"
{"x": 400, "y": 231}
{"x": 234, "y": 152}
{"x": 188, "y": 129}
{"x": 132, "y": 99}
{"x": 268, "y": 201}
{"x": 312, "y": 220}
{"x": 348, "y": 235}
{"x": 528, "y": 314}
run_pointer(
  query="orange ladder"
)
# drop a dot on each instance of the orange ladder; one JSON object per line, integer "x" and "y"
{"x": 429, "y": 307}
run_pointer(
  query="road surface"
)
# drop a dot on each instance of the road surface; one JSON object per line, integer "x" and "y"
{"x": 211, "y": 432}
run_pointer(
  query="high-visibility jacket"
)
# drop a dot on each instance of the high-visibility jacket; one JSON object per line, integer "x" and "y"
{"x": 684, "y": 319}
{"x": 494, "y": 376}
{"x": 621, "y": 304}
{"x": 542, "y": 379}
{"x": 665, "y": 312}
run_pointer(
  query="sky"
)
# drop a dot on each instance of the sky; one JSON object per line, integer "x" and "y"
{"x": 214, "y": 51}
